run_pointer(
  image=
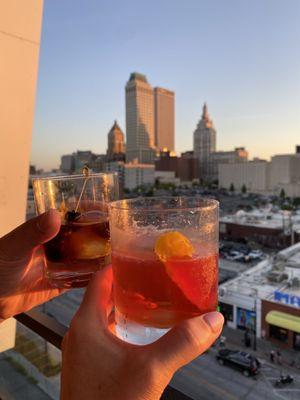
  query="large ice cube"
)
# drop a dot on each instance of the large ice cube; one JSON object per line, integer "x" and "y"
{"x": 87, "y": 244}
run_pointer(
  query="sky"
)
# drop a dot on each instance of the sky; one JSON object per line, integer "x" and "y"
{"x": 240, "y": 56}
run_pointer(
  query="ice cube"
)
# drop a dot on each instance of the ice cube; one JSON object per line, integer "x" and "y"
{"x": 87, "y": 244}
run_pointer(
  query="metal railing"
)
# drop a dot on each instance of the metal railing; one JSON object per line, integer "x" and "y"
{"x": 53, "y": 332}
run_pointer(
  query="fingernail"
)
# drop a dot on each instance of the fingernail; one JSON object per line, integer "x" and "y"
{"x": 215, "y": 320}
{"x": 43, "y": 221}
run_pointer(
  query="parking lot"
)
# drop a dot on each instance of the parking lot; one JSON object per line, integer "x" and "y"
{"x": 240, "y": 252}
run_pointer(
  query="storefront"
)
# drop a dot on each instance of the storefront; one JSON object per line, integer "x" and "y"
{"x": 281, "y": 323}
{"x": 240, "y": 312}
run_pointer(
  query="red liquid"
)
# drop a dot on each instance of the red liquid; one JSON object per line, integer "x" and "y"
{"x": 76, "y": 252}
{"x": 160, "y": 295}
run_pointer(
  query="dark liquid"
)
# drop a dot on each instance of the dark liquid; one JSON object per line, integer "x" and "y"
{"x": 77, "y": 251}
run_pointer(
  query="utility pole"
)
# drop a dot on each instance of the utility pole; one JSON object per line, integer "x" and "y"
{"x": 255, "y": 325}
{"x": 254, "y": 330}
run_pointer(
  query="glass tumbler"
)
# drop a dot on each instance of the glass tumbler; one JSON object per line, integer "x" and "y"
{"x": 82, "y": 245}
{"x": 165, "y": 263}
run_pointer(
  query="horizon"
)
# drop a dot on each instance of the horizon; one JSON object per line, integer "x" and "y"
{"x": 249, "y": 78}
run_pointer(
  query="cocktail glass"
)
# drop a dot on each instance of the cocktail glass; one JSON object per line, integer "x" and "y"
{"x": 82, "y": 245}
{"x": 165, "y": 263}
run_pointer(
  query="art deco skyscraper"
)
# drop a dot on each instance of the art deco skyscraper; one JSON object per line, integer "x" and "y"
{"x": 140, "y": 141}
{"x": 116, "y": 145}
{"x": 164, "y": 119}
{"x": 204, "y": 143}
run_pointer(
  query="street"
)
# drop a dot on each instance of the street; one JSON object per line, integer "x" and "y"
{"x": 205, "y": 379}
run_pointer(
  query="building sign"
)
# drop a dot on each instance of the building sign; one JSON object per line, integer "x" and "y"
{"x": 286, "y": 298}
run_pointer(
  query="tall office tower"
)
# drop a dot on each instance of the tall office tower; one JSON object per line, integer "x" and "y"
{"x": 140, "y": 143}
{"x": 115, "y": 144}
{"x": 164, "y": 119}
{"x": 205, "y": 144}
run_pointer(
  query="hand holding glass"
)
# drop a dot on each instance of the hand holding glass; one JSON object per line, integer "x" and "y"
{"x": 165, "y": 263}
{"x": 82, "y": 245}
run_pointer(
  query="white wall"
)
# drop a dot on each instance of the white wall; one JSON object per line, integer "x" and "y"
{"x": 253, "y": 174}
{"x": 138, "y": 175}
{"x": 20, "y": 29}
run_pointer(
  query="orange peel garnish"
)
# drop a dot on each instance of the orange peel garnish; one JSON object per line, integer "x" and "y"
{"x": 173, "y": 244}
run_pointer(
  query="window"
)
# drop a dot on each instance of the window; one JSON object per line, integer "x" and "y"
{"x": 296, "y": 341}
{"x": 227, "y": 311}
{"x": 278, "y": 333}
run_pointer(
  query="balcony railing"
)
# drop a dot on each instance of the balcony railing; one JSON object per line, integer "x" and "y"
{"x": 52, "y": 331}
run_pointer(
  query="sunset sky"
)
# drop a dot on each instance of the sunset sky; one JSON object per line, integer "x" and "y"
{"x": 241, "y": 57}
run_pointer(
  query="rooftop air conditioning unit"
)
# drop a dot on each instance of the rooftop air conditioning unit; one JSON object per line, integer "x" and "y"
{"x": 277, "y": 276}
{"x": 295, "y": 283}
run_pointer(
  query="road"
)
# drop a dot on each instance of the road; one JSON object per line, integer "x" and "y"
{"x": 205, "y": 379}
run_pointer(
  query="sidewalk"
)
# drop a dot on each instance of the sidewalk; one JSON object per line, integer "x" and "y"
{"x": 235, "y": 338}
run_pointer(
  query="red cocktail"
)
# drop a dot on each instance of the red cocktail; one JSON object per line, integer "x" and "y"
{"x": 165, "y": 263}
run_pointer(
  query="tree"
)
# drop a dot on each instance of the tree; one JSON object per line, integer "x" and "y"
{"x": 282, "y": 194}
{"x": 232, "y": 188}
{"x": 244, "y": 189}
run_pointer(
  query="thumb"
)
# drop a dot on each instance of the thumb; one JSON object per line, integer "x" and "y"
{"x": 19, "y": 243}
{"x": 187, "y": 341}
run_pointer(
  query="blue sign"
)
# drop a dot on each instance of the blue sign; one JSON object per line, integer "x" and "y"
{"x": 286, "y": 298}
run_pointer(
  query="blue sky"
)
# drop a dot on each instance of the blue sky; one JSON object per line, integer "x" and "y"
{"x": 241, "y": 57}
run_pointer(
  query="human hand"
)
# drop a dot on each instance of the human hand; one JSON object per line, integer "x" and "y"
{"x": 98, "y": 365}
{"x": 23, "y": 285}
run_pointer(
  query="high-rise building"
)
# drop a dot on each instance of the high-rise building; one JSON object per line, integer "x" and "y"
{"x": 140, "y": 141}
{"x": 205, "y": 144}
{"x": 115, "y": 145}
{"x": 164, "y": 123}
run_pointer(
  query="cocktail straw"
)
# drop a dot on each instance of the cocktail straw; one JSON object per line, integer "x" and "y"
{"x": 85, "y": 172}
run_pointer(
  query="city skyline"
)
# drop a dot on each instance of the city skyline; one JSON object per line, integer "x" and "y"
{"x": 250, "y": 78}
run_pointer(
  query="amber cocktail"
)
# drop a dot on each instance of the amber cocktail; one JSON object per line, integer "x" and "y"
{"x": 165, "y": 263}
{"x": 82, "y": 245}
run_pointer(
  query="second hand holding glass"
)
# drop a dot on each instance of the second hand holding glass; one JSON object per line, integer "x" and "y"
{"x": 165, "y": 263}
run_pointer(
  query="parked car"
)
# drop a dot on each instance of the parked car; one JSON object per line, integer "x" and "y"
{"x": 243, "y": 249}
{"x": 240, "y": 360}
{"x": 256, "y": 254}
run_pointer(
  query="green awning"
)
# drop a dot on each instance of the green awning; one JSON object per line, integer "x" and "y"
{"x": 284, "y": 320}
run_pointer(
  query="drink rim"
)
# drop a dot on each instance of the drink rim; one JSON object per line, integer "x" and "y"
{"x": 208, "y": 204}
{"x": 71, "y": 177}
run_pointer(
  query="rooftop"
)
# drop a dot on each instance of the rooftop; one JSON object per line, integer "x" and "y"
{"x": 136, "y": 76}
{"x": 279, "y": 273}
{"x": 265, "y": 218}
